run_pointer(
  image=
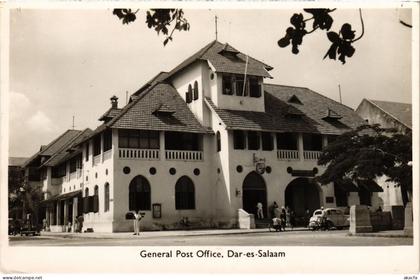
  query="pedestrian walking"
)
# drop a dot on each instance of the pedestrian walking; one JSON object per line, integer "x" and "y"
{"x": 283, "y": 218}
{"x": 292, "y": 219}
{"x": 274, "y": 206}
{"x": 288, "y": 216}
{"x": 80, "y": 221}
{"x": 260, "y": 214}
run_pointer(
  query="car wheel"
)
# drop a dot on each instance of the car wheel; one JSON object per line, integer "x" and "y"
{"x": 339, "y": 228}
{"x": 330, "y": 225}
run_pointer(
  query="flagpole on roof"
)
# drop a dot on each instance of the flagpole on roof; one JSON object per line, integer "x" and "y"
{"x": 246, "y": 69}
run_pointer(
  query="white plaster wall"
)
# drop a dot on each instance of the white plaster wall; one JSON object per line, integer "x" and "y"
{"x": 233, "y": 102}
{"x": 100, "y": 221}
{"x": 392, "y": 193}
{"x": 162, "y": 186}
{"x": 187, "y": 77}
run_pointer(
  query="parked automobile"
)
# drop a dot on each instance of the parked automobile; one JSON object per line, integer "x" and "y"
{"x": 325, "y": 219}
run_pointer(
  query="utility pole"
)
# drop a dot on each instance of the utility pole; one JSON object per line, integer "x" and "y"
{"x": 339, "y": 92}
{"x": 73, "y": 124}
{"x": 215, "y": 22}
{"x": 126, "y": 97}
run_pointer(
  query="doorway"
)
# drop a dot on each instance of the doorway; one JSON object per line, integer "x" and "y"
{"x": 254, "y": 190}
{"x": 302, "y": 194}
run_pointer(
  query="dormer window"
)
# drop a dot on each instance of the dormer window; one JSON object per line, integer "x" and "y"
{"x": 234, "y": 85}
{"x": 295, "y": 100}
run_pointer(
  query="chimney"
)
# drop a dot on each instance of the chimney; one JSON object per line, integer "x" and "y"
{"x": 114, "y": 102}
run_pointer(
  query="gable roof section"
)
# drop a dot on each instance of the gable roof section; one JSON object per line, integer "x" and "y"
{"x": 212, "y": 53}
{"x": 276, "y": 118}
{"x": 139, "y": 113}
{"x": 56, "y": 145}
{"x": 153, "y": 81}
{"x": 64, "y": 152}
{"x": 398, "y": 111}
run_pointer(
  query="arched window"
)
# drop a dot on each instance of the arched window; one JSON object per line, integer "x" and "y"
{"x": 195, "y": 90}
{"x": 189, "y": 93}
{"x": 219, "y": 143}
{"x": 86, "y": 192}
{"x": 139, "y": 194}
{"x": 106, "y": 197}
{"x": 184, "y": 194}
{"x": 96, "y": 200}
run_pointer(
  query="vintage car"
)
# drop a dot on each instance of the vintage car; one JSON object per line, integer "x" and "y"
{"x": 328, "y": 218}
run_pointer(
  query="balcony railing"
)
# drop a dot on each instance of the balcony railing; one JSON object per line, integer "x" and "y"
{"x": 72, "y": 175}
{"x": 107, "y": 154}
{"x": 148, "y": 154}
{"x": 288, "y": 154}
{"x": 79, "y": 173}
{"x": 184, "y": 155}
{"x": 311, "y": 155}
{"x": 96, "y": 159}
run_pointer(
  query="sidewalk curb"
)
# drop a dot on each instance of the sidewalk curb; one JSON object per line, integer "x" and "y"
{"x": 149, "y": 234}
{"x": 380, "y": 235}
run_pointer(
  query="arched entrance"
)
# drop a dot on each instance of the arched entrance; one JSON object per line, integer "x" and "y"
{"x": 253, "y": 191}
{"x": 302, "y": 194}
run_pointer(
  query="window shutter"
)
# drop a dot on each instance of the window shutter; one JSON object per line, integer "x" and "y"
{"x": 195, "y": 90}
{"x": 95, "y": 203}
{"x": 86, "y": 205}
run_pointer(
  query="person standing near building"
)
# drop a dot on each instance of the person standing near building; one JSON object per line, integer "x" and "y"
{"x": 260, "y": 214}
{"x": 80, "y": 221}
{"x": 273, "y": 209}
{"x": 137, "y": 219}
{"x": 283, "y": 218}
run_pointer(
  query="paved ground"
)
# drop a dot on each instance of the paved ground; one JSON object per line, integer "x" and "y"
{"x": 257, "y": 237}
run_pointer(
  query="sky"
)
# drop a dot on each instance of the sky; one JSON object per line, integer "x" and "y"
{"x": 66, "y": 63}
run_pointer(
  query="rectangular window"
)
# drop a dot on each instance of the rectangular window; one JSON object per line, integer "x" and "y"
{"x": 254, "y": 87}
{"x": 287, "y": 141}
{"x": 312, "y": 142}
{"x": 253, "y": 140}
{"x": 267, "y": 141}
{"x": 331, "y": 138}
{"x": 87, "y": 151}
{"x": 227, "y": 87}
{"x": 79, "y": 161}
{"x": 182, "y": 141}
{"x": 97, "y": 145}
{"x": 138, "y": 139}
{"x": 239, "y": 86}
{"x": 73, "y": 165}
{"x": 238, "y": 140}
{"x": 107, "y": 140}
{"x": 59, "y": 171}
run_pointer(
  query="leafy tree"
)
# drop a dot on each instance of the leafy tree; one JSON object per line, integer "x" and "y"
{"x": 369, "y": 152}
{"x": 161, "y": 20}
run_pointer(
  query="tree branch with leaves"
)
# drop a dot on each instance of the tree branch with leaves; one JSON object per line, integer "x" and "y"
{"x": 321, "y": 19}
{"x": 166, "y": 21}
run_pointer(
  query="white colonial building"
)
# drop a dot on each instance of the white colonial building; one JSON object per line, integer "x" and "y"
{"x": 198, "y": 146}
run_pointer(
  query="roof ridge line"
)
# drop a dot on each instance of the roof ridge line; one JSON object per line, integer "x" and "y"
{"x": 383, "y": 110}
{"x": 64, "y": 146}
{"x": 129, "y": 105}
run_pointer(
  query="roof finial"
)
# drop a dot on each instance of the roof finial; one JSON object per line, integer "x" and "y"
{"x": 215, "y": 22}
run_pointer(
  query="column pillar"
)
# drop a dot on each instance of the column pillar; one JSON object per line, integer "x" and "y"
{"x": 300, "y": 146}
{"x": 162, "y": 144}
{"x": 65, "y": 222}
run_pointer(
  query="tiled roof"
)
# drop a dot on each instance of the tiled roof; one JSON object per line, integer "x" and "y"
{"x": 399, "y": 111}
{"x": 236, "y": 65}
{"x": 17, "y": 161}
{"x": 65, "y": 152}
{"x": 156, "y": 79}
{"x": 112, "y": 112}
{"x": 277, "y": 113}
{"x": 139, "y": 113}
{"x": 225, "y": 64}
{"x": 56, "y": 145}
